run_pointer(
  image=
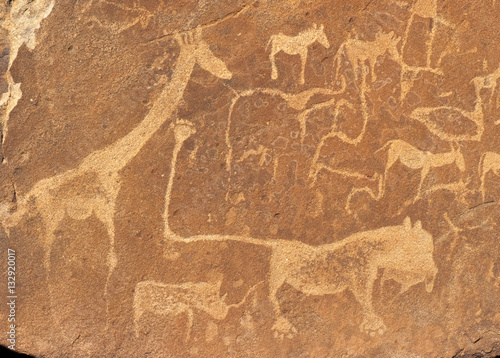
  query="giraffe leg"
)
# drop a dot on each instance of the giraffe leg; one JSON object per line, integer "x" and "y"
{"x": 482, "y": 188}
{"x": 303, "y": 60}
{"x": 190, "y": 316}
{"x": 274, "y": 69}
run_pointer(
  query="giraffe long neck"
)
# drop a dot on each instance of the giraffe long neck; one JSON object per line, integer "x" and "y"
{"x": 116, "y": 156}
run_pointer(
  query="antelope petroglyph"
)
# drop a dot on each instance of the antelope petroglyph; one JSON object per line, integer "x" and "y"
{"x": 359, "y": 51}
{"x": 174, "y": 299}
{"x": 296, "y": 45}
{"x": 403, "y": 251}
{"x": 490, "y": 161}
{"x": 93, "y": 187}
{"x": 414, "y": 158}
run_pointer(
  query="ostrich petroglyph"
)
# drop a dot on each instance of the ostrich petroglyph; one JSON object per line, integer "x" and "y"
{"x": 425, "y": 114}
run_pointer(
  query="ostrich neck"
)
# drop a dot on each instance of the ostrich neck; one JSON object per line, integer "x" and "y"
{"x": 114, "y": 157}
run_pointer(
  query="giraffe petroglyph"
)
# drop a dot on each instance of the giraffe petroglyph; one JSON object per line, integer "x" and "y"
{"x": 414, "y": 158}
{"x": 174, "y": 299}
{"x": 405, "y": 252}
{"x": 93, "y": 187}
{"x": 296, "y": 45}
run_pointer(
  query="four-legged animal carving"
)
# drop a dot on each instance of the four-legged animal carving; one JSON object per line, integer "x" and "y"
{"x": 359, "y": 51}
{"x": 296, "y": 45}
{"x": 414, "y": 158}
{"x": 174, "y": 299}
{"x": 403, "y": 251}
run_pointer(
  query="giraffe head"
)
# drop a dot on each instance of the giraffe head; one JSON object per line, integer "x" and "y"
{"x": 192, "y": 42}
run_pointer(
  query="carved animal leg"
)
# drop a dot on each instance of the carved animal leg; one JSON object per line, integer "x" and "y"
{"x": 372, "y": 323}
{"x": 303, "y": 60}
{"x": 423, "y": 175}
{"x": 107, "y": 219}
{"x": 190, "y": 316}
{"x": 372, "y": 69}
{"x": 281, "y": 326}
{"x": 482, "y": 188}
{"x": 274, "y": 69}
{"x": 391, "y": 159}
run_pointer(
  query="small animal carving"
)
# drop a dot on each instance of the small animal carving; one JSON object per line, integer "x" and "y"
{"x": 359, "y": 51}
{"x": 414, "y": 158}
{"x": 174, "y": 299}
{"x": 490, "y": 161}
{"x": 296, "y": 45}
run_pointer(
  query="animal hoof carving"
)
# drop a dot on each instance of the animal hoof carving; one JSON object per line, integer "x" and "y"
{"x": 373, "y": 325}
{"x": 283, "y": 328}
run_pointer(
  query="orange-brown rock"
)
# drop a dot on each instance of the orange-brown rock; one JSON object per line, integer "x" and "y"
{"x": 250, "y": 178}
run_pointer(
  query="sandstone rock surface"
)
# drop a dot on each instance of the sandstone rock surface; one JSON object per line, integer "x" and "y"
{"x": 251, "y": 178}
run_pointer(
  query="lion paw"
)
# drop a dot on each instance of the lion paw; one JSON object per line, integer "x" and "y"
{"x": 283, "y": 328}
{"x": 373, "y": 325}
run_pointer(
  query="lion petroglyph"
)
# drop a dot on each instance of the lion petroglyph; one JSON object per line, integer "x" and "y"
{"x": 296, "y": 45}
{"x": 414, "y": 158}
{"x": 489, "y": 161}
{"x": 174, "y": 299}
{"x": 359, "y": 51}
{"x": 403, "y": 251}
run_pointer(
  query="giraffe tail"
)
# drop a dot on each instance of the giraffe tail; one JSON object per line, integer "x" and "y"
{"x": 482, "y": 174}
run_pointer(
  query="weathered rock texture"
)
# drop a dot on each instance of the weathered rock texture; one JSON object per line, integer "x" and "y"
{"x": 252, "y": 178}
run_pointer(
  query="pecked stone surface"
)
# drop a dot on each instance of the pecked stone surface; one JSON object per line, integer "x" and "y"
{"x": 252, "y": 178}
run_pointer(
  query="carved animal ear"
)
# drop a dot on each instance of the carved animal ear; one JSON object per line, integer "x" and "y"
{"x": 418, "y": 225}
{"x": 407, "y": 223}
{"x": 321, "y": 27}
